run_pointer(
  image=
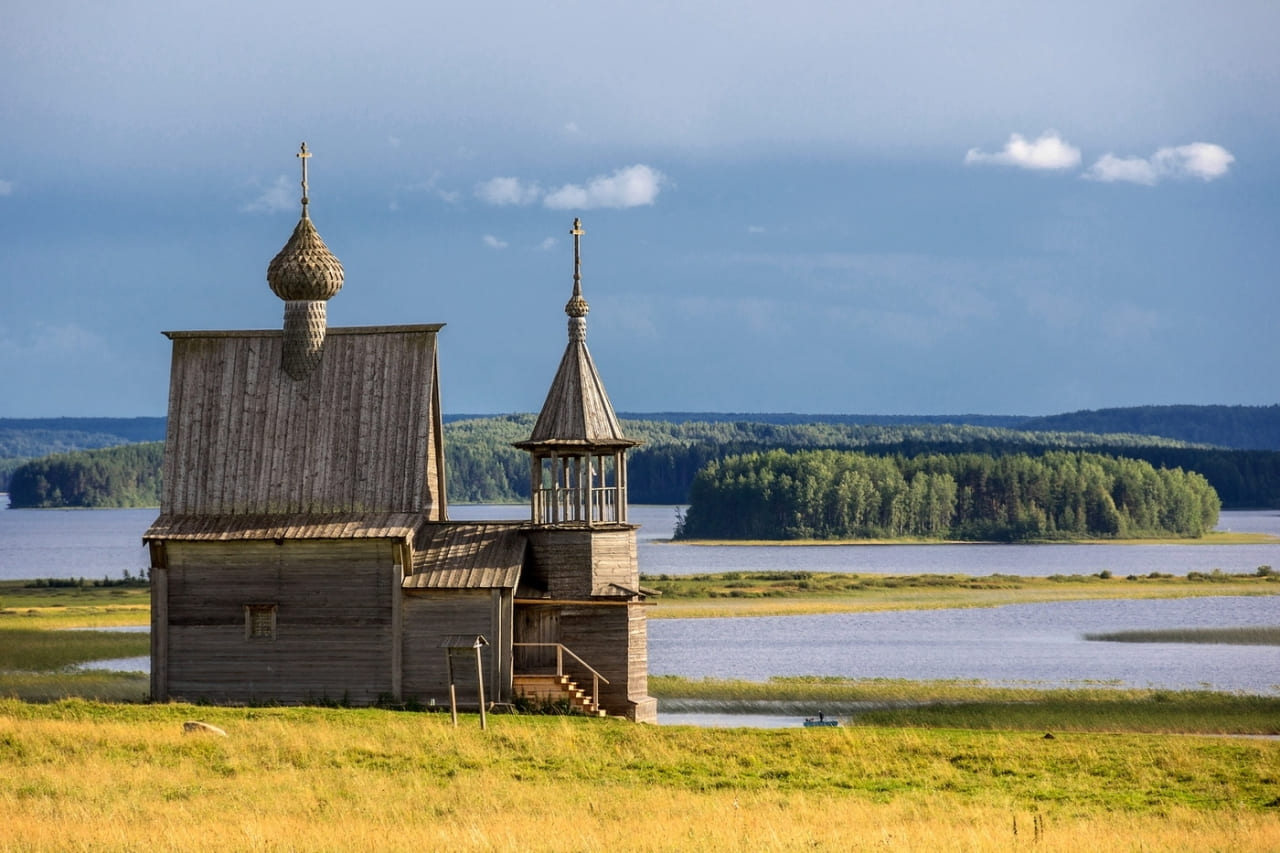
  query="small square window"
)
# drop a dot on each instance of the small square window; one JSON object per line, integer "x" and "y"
{"x": 260, "y": 621}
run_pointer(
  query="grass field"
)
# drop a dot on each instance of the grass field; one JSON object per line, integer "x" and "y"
{"x": 944, "y": 766}
{"x": 78, "y": 775}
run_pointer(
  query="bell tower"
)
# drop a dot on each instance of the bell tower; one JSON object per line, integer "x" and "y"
{"x": 584, "y": 581}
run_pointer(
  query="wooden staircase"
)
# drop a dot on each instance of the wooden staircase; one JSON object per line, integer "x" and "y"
{"x": 551, "y": 689}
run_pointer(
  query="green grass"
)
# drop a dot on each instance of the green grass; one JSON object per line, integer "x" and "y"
{"x": 80, "y": 775}
{"x": 39, "y": 650}
{"x": 1259, "y": 636}
{"x": 975, "y": 705}
{"x": 785, "y": 593}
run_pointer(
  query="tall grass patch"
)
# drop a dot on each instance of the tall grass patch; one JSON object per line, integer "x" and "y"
{"x": 82, "y": 775}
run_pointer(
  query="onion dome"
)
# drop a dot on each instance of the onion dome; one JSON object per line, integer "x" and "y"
{"x": 305, "y": 268}
{"x": 304, "y": 274}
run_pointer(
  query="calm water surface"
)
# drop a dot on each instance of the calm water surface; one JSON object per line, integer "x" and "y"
{"x": 1038, "y": 644}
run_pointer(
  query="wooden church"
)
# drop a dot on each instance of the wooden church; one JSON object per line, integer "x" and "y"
{"x": 304, "y": 551}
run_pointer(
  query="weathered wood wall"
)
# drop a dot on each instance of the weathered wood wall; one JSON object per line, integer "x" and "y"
{"x": 336, "y": 630}
{"x": 360, "y": 434}
{"x": 578, "y": 563}
{"x": 614, "y": 640}
{"x": 430, "y": 615}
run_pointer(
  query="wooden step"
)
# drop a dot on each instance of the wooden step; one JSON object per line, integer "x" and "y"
{"x": 554, "y": 688}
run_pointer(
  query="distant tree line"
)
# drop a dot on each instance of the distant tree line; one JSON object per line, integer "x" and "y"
{"x": 483, "y": 467}
{"x": 826, "y": 494}
{"x": 1236, "y": 427}
{"x": 114, "y": 477}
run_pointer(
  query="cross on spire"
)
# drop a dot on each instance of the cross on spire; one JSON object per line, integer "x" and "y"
{"x": 304, "y": 155}
{"x": 577, "y": 233}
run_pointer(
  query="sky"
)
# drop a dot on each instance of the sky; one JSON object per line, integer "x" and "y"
{"x": 881, "y": 207}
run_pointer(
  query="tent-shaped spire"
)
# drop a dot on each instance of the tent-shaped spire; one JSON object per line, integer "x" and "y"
{"x": 577, "y": 411}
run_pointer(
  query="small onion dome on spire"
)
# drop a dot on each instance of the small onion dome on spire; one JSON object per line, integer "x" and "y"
{"x": 304, "y": 274}
{"x": 577, "y": 307}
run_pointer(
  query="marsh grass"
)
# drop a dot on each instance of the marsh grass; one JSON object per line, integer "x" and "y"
{"x": 975, "y": 705}
{"x": 806, "y": 593}
{"x": 39, "y": 650}
{"x": 1251, "y": 636}
{"x": 80, "y": 775}
{"x": 22, "y": 603}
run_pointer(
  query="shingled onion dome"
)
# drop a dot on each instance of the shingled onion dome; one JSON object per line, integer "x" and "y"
{"x": 304, "y": 274}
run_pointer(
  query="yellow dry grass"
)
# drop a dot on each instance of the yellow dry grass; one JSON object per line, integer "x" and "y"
{"x": 82, "y": 776}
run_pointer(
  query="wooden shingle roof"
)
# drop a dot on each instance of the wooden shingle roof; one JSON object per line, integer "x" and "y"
{"x": 577, "y": 411}
{"x": 467, "y": 555}
{"x": 227, "y": 528}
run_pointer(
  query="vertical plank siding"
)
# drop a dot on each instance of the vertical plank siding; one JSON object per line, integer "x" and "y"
{"x": 430, "y": 615}
{"x": 355, "y": 435}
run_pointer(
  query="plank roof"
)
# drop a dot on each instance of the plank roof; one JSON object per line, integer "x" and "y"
{"x": 360, "y": 435}
{"x": 467, "y": 555}
{"x": 228, "y": 528}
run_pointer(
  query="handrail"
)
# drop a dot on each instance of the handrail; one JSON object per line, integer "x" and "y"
{"x": 561, "y": 648}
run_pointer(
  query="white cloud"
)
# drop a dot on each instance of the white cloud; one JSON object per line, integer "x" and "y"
{"x": 274, "y": 199}
{"x": 393, "y": 141}
{"x": 1202, "y": 160}
{"x": 1110, "y": 168}
{"x": 548, "y": 244}
{"x": 1049, "y": 151}
{"x": 632, "y": 186}
{"x": 493, "y": 242}
{"x": 571, "y": 127}
{"x": 6, "y": 187}
{"x": 505, "y": 191}
{"x": 755, "y": 229}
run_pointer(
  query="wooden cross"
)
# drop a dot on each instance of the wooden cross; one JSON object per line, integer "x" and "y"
{"x": 577, "y": 233}
{"x": 304, "y": 155}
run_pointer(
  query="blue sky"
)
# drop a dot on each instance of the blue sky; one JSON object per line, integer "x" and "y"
{"x": 876, "y": 207}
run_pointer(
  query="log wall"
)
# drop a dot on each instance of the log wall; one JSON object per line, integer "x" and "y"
{"x": 579, "y": 563}
{"x": 336, "y": 622}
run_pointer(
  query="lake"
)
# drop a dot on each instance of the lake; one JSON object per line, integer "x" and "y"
{"x": 1039, "y": 645}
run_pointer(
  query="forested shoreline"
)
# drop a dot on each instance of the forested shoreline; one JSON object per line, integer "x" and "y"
{"x": 483, "y": 467}
{"x": 826, "y": 494}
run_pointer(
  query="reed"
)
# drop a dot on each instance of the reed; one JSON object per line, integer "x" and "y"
{"x": 82, "y": 776}
{"x": 806, "y": 593}
{"x": 1248, "y": 636}
{"x": 37, "y": 650}
{"x": 975, "y": 705}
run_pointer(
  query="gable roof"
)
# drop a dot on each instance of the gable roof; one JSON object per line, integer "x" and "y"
{"x": 361, "y": 434}
{"x": 467, "y": 555}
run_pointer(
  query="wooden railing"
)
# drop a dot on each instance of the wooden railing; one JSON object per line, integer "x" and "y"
{"x": 561, "y": 651}
{"x": 557, "y": 504}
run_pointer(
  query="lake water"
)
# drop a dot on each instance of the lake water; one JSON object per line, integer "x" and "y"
{"x": 1039, "y": 645}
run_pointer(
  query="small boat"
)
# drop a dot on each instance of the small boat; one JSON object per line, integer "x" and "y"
{"x": 820, "y": 720}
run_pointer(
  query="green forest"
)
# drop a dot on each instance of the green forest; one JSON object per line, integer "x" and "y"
{"x": 123, "y": 476}
{"x": 483, "y": 467}
{"x": 826, "y": 494}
